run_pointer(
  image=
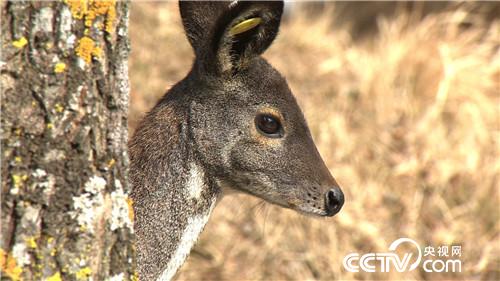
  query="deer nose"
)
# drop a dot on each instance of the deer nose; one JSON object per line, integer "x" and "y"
{"x": 334, "y": 199}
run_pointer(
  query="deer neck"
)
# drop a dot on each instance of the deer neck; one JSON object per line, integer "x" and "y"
{"x": 198, "y": 203}
{"x": 173, "y": 196}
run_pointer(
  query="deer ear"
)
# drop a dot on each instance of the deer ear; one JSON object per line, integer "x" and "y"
{"x": 227, "y": 35}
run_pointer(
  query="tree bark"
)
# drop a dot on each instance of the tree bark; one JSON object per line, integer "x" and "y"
{"x": 64, "y": 78}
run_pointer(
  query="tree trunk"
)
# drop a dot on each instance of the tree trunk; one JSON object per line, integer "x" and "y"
{"x": 64, "y": 78}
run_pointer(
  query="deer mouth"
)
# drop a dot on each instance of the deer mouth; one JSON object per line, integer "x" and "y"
{"x": 328, "y": 206}
{"x": 311, "y": 211}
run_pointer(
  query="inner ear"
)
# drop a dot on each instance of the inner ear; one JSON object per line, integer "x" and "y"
{"x": 243, "y": 32}
{"x": 242, "y": 41}
{"x": 239, "y": 40}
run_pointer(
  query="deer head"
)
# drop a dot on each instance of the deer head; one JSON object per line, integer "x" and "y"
{"x": 231, "y": 124}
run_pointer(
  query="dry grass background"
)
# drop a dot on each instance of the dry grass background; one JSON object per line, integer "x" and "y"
{"x": 407, "y": 122}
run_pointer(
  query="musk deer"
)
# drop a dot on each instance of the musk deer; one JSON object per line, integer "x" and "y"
{"x": 232, "y": 123}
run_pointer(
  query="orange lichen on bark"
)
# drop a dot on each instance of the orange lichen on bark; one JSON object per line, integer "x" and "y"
{"x": 87, "y": 48}
{"x": 9, "y": 266}
{"x": 78, "y": 8}
{"x": 89, "y": 10}
{"x": 102, "y": 8}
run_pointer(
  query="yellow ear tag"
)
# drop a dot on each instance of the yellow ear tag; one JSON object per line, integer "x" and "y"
{"x": 244, "y": 26}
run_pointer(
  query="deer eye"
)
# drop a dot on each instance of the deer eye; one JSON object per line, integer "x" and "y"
{"x": 269, "y": 125}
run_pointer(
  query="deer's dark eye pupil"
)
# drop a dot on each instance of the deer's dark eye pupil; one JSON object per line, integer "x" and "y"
{"x": 268, "y": 125}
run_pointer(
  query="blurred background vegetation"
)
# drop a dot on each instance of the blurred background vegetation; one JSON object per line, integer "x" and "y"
{"x": 403, "y": 103}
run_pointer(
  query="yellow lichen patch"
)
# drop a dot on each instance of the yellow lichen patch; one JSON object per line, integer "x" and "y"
{"x": 84, "y": 273}
{"x": 135, "y": 277}
{"x": 97, "y": 52}
{"x": 18, "y": 159}
{"x": 50, "y": 126}
{"x": 110, "y": 18}
{"x": 55, "y": 277}
{"x": 111, "y": 163}
{"x": 102, "y": 8}
{"x": 18, "y": 180}
{"x": 89, "y": 10}
{"x": 87, "y": 48}
{"x": 30, "y": 241}
{"x": 59, "y": 108}
{"x": 21, "y": 42}
{"x": 130, "y": 204}
{"x": 59, "y": 67}
{"x": 79, "y": 8}
{"x": 9, "y": 266}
